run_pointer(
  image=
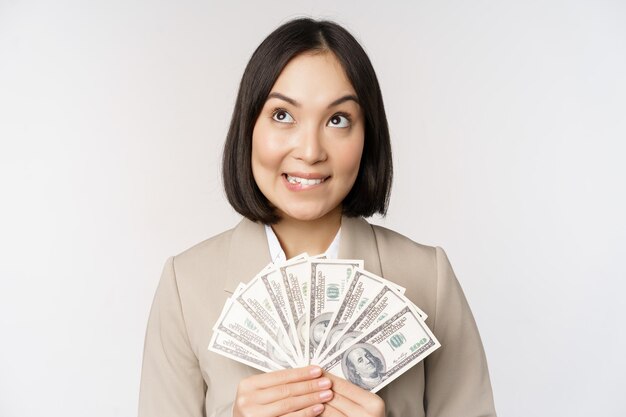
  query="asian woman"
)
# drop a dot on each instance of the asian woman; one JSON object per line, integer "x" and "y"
{"x": 307, "y": 158}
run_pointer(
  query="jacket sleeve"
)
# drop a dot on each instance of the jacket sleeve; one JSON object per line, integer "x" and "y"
{"x": 457, "y": 378}
{"x": 171, "y": 379}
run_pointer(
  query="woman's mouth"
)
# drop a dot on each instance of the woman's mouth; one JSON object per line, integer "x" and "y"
{"x": 301, "y": 182}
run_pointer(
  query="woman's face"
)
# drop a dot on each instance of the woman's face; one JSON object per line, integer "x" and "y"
{"x": 308, "y": 139}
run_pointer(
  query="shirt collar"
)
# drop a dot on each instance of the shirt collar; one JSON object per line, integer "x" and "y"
{"x": 277, "y": 254}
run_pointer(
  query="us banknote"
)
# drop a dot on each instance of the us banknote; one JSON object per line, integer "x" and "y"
{"x": 231, "y": 348}
{"x": 329, "y": 280}
{"x": 259, "y": 301}
{"x": 378, "y": 357}
{"x": 353, "y": 323}
{"x": 361, "y": 290}
{"x": 295, "y": 276}
{"x": 237, "y": 322}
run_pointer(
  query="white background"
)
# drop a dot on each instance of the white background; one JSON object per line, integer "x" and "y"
{"x": 508, "y": 124}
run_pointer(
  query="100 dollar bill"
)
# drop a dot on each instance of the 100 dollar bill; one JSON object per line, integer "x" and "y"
{"x": 295, "y": 276}
{"x": 361, "y": 291}
{"x": 231, "y": 348}
{"x": 385, "y": 353}
{"x": 384, "y": 305}
{"x": 261, "y": 303}
{"x": 236, "y": 322}
{"x": 328, "y": 282}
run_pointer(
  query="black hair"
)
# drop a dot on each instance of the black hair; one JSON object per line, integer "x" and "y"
{"x": 370, "y": 192}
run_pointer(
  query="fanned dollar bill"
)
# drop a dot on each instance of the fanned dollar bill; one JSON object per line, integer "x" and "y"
{"x": 239, "y": 324}
{"x": 295, "y": 275}
{"x": 331, "y": 312}
{"x": 380, "y": 356}
{"x": 280, "y": 298}
{"x": 231, "y": 348}
{"x": 385, "y": 304}
{"x": 362, "y": 289}
{"x": 261, "y": 304}
{"x": 329, "y": 280}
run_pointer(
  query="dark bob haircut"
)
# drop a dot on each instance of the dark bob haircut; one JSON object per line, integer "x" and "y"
{"x": 370, "y": 192}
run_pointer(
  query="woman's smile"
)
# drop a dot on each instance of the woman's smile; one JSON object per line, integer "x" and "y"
{"x": 301, "y": 182}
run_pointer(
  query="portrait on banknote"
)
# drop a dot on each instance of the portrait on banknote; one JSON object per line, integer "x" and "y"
{"x": 364, "y": 365}
{"x": 318, "y": 328}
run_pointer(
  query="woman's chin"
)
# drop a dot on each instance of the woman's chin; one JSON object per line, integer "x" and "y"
{"x": 305, "y": 214}
{"x": 303, "y": 217}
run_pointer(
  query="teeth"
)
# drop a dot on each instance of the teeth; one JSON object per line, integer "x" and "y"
{"x": 303, "y": 181}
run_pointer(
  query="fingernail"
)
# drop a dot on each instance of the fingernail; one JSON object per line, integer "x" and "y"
{"x": 324, "y": 383}
{"x": 315, "y": 371}
{"x": 318, "y": 409}
{"x": 325, "y": 395}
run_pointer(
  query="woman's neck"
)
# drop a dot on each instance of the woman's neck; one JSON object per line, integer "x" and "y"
{"x": 311, "y": 236}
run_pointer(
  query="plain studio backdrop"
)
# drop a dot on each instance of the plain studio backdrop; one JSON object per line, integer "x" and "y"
{"x": 508, "y": 123}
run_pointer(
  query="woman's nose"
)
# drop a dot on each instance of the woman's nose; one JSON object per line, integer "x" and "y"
{"x": 309, "y": 146}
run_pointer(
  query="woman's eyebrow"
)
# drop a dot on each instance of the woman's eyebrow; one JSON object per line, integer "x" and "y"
{"x": 293, "y": 102}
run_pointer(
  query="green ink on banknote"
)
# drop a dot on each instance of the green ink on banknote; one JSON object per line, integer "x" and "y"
{"x": 396, "y": 340}
{"x": 250, "y": 324}
{"x": 332, "y": 292}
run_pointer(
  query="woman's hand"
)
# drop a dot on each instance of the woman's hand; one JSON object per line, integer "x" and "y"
{"x": 299, "y": 392}
{"x": 350, "y": 400}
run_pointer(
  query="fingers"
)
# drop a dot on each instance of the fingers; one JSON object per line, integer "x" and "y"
{"x": 285, "y": 376}
{"x": 347, "y": 388}
{"x": 341, "y": 406}
{"x": 351, "y": 400}
{"x": 299, "y": 392}
{"x": 312, "y": 411}
{"x": 302, "y": 402}
{"x": 279, "y": 392}
{"x": 330, "y": 411}
{"x": 346, "y": 406}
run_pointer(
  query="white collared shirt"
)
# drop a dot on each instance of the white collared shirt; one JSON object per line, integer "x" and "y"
{"x": 277, "y": 254}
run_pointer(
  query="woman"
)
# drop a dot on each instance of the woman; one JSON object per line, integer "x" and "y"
{"x": 306, "y": 158}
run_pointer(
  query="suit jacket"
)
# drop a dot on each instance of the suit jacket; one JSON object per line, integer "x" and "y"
{"x": 180, "y": 377}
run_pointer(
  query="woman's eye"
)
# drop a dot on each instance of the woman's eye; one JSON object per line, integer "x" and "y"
{"x": 339, "y": 120}
{"x": 282, "y": 116}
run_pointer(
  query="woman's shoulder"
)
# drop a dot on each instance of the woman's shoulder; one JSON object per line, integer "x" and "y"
{"x": 388, "y": 239}
{"x": 234, "y": 253}
{"x": 212, "y": 246}
{"x": 244, "y": 233}
{"x": 416, "y": 266}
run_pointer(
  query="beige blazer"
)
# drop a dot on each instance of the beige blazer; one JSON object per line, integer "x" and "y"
{"x": 180, "y": 377}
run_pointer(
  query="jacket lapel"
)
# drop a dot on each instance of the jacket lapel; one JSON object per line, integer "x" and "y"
{"x": 247, "y": 255}
{"x": 359, "y": 242}
{"x": 249, "y": 251}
